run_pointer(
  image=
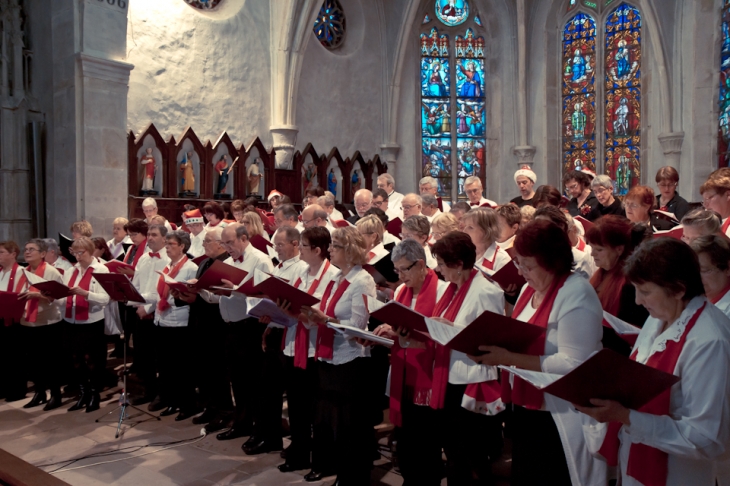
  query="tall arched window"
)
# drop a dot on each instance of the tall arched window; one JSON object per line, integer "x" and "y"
{"x": 723, "y": 138}
{"x": 617, "y": 107}
{"x": 453, "y": 118}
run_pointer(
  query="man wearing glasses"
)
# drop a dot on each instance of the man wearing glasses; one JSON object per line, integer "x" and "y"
{"x": 363, "y": 202}
{"x": 382, "y": 202}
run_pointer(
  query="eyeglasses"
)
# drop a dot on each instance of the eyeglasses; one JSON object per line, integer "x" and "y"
{"x": 30, "y": 250}
{"x": 133, "y": 235}
{"x": 521, "y": 267}
{"x": 707, "y": 271}
{"x": 306, "y": 222}
{"x": 707, "y": 199}
{"x": 336, "y": 247}
{"x": 404, "y": 270}
{"x": 362, "y": 205}
{"x": 665, "y": 185}
{"x": 228, "y": 243}
{"x": 77, "y": 253}
{"x": 207, "y": 241}
{"x": 600, "y": 190}
{"x": 377, "y": 204}
{"x": 408, "y": 208}
{"x": 572, "y": 187}
{"x": 632, "y": 206}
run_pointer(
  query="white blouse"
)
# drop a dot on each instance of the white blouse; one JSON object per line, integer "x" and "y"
{"x": 175, "y": 316}
{"x": 233, "y": 308}
{"x": 146, "y": 277}
{"x": 97, "y": 298}
{"x": 494, "y": 253}
{"x": 48, "y": 312}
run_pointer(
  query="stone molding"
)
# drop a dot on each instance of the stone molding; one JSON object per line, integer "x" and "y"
{"x": 389, "y": 152}
{"x": 525, "y": 154}
{"x": 285, "y": 139}
{"x": 671, "y": 142}
{"x": 105, "y": 69}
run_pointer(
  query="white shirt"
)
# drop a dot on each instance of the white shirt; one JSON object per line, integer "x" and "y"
{"x": 727, "y": 231}
{"x": 482, "y": 295}
{"x": 167, "y": 225}
{"x": 388, "y": 238}
{"x": 62, "y": 264}
{"x": 233, "y": 308}
{"x": 337, "y": 215}
{"x": 306, "y": 282}
{"x": 289, "y": 269}
{"x": 445, "y": 205}
{"x": 117, "y": 249}
{"x": 48, "y": 312}
{"x": 350, "y": 310}
{"x": 496, "y": 254}
{"x": 379, "y": 252}
{"x": 97, "y": 298}
{"x": 430, "y": 218}
{"x": 393, "y": 213}
{"x": 176, "y": 316}
{"x": 395, "y": 201}
{"x": 508, "y": 243}
{"x": 697, "y": 430}
{"x": 5, "y": 278}
{"x": 196, "y": 244}
{"x": 146, "y": 277}
{"x": 222, "y": 224}
{"x": 483, "y": 201}
{"x": 430, "y": 260}
{"x": 584, "y": 264}
{"x": 723, "y": 304}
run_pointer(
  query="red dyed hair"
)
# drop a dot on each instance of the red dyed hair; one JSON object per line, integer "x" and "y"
{"x": 643, "y": 195}
{"x": 611, "y": 231}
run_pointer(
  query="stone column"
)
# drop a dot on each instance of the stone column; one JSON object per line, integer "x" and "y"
{"x": 672, "y": 147}
{"x": 285, "y": 140}
{"x": 389, "y": 154}
{"x": 524, "y": 152}
{"x": 525, "y": 155}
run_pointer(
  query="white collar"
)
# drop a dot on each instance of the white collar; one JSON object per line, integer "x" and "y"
{"x": 673, "y": 333}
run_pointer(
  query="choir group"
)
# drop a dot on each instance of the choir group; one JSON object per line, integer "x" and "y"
{"x": 225, "y": 353}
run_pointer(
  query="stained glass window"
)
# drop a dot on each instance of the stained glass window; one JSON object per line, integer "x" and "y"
{"x": 452, "y": 89}
{"x": 623, "y": 97}
{"x": 452, "y": 12}
{"x": 426, "y": 19}
{"x": 579, "y": 93}
{"x": 723, "y": 140}
{"x": 330, "y": 24}
{"x": 203, "y": 4}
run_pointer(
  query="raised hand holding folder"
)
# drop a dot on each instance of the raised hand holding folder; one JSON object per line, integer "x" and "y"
{"x": 356, "y": 332}
{"x": 115, "y": 266}
{"x": 52, "y": 289}
{"x": 398, "y": 315}
{"x": 218, "y": 272}
{"x": 606, "y": 375}
{"x": 174, "y": 284}
{"x": 257, "y": 307}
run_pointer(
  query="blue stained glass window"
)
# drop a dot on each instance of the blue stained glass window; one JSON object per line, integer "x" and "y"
{"x": 723, "y": 139}
{"x": 578, "y": 90}
{"x": 623, "y": 97}
{"x": 477, "y": 20}
{"x": 452, "y": 12}
{"x": 330, "y": 24}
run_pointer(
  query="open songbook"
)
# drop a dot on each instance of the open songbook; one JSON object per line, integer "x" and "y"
{"x": 257, "y": 307}
{"x": 174, "y": 284}
{"x": 624, "y": 330}
{"x": 606, "y": 375}
{"x": 586, "y": 224}
{"x": 398, "y": 315}
{"x": 671, "y": 217}
{"x": 119, "y": 287}
{"x": 115, "y": 265}
{"x": 356, "y": 332}
{"x": 216, "y": 273}
{"x": 277, "y": 288}
{"x": 505, "y": 276}
{"x": 489, "y": 329}
{"x": 51, "y": 288}
{"x": 677, "y": 232}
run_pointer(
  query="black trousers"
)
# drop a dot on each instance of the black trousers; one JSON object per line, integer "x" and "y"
{"x": 210, "y": 372}
{"x": 537, "y": 451}
{"x": 244, "y": 357}
{"x": 270, "y": 395}
{"x": 301, "y": 395}
{"x": 471, "y": 441}
{"x": 419, "y": 445}
{"x": 174, "y": 347}
{"x": 86, "y": 344}
{"x": 145, "y": 353}
{"x": 13, "y": 378}
{"x": 342, "y": 431}
{"x": 43, "y": 354}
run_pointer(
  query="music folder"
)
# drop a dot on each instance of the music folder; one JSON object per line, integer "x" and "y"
{"x": 200, "y": 259}
{"x": 677, "y": 232}
{"x": 398, "y": 315}
{"x": 394, "y": 227}
{"x": 115, "y": 265}
{"x": 260, "y": 243}
{"x": 53, "y": 289}
{"x": 586, "y": 224}
{"x": 119, "y": 287}
{"x": 606, "y": 375}
{"x": 64, "y": 244}
{"x": 356, "y": 332}
{"x": 506, "y": 276}
{"x": 382, "y": 271}
{"x": 340, "y": 223}
{"x": 11, "y": 308}
{"x": 174, "y": 284}
{"x": 277, "y": 288}
{"x": 671, "y": 217}
{"x": 489, "y": 329}
{"x": 624, "y": 330}
{"x": 216, "y": 273}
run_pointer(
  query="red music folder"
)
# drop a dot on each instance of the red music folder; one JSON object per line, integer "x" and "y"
{"x": 260, "y": 243}
{"x": 606, "y": 375}
{"x": 277, "y": 288}
{"x": 119, "y": 287}
{"x": 174, "y": 284}
{"x": 398, "y": 315}
{"x": 200, "y": 259}
{"x": 115, "y": 265}
{"x": 394, "y": 227}
{"x": 53, "y": 289}
{"x": 489, "y": 329}
{"x": 216, "y": 273}
{"x": 340, "y": 223}
{"x": 675, "y": 233}
{"x": 508, "y": 275}
{"x": 586, "y": 224}
{"x": 11, "y": 308}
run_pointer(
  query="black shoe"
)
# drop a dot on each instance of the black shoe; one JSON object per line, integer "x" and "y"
{"x": 39, "y": 398}
{"x": 263, "y": 447}
{"x": 253, "y": 440}
{"x": 169, "y": 411}
{"x": 293, "y": 466}
{"x": 313, "y": 475}
{"x": 186, "y": 414}
{"x": 234, "y": 433}
{"x": 206, "y": 417}
{"x": 216, "y": 425}
{"x": 156, "y": 405}
{"x": 137, "y": 401}
{"x": 83, "y": 400}
{"x": 94, "y": 403}
{"x": 55, "y": 402}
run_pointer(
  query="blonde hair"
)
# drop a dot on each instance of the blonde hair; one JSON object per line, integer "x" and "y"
{"x": 84, "y": 243}
{"x": 486, "y": 220}
{"x": 254, "y": 221}
{"x": 371, "y": 224}
{"x": 446, "y": 222}
{"x": 158, "y": 219}
{"x": 353, "y": 244}
{"x": 82, "y": 227}
{"x": 122, "y": 221}
{"x": 528, "y": 214}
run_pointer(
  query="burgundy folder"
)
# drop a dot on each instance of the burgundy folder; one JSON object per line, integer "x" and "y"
{"x": 216, "y": 273}
{"x": 11, "y": 308}
{"x": 277, "y": 288}
{"x": 119, "y": 287}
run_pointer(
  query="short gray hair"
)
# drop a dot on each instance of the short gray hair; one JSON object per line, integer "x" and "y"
{"x": 430, "y": 181}
{"x": 326, "y": 201}
{"x": 472, "y": 180}
{"x": 160, "y": 227}
{"x": 364, "y": 192}
{"x": 149, "y": 203}
{"x": 602, "y": 180}
{"x": 40, "y": 243}
{"x": 708, "y": 220}
{"x": 430, "y": 200}
{"x": 409, "y": 249}
{"x": 215, "y": 233}
{"x": 181, "y": 237}
{"x": 51, "y": 245}
{"x": 417, "y": 224}
{"x": 388, "y": 179}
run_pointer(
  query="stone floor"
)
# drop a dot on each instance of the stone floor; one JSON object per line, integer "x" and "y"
{"x": 52, "y": 439}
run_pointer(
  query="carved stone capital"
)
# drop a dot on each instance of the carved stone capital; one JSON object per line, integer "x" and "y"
{"x": 105, "y": 69}
{"x": 285, "y": 139}
{"x": 525, "y": 154}
{"x": 389, "y": 152}
{"x": 671, "y": 142}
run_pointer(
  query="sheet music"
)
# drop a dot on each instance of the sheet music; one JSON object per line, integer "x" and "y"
{"x": 258, "y": 277}
{"x": 442, "y": 333}
{"x": 33, "y": 278}
{"x": 360, "y": 333}
{"x": 372, "y": 304}
{"x": 536, "y": 378}
{"x": 265, "y": 307}
{"x": 620, "y": 326}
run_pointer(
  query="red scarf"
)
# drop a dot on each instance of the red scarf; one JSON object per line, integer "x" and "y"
{"x": 326, "y": 335}
{"x": 646, "y": 464}
{"x": 522, "y": 393}
{"x": 137, "y": 255}
{"x": 12, "y": 279}
{"x": 450, "y": 302}
{"x": 31, "y": 308}
{"x": 82, "y": 305}
{"x": 489, "y": 265}
{"x": 163, "y": 289}
{"x": 725, "y": 226}
{"x": 301, "y": 338}
{"x": 581, "y": 244}
{"x": 413, "y": 367}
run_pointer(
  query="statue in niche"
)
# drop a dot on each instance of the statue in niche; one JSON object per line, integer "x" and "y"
{"x": 221, "y": 167}
{"x": 355, "y": 183}
{"x": 254, "y": 178}
{"x": 332, "y": 182}
{"x": 188, "y": 175}
{"x": 150, "y": 167}
{"x": 308, "y": 176}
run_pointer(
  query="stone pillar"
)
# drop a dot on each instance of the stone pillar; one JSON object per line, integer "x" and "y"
{"x": 389, "y": 154}
{"x": 285, "y": 140}
{"x": 672, "y": 147}
{"x": 525, "y": 155}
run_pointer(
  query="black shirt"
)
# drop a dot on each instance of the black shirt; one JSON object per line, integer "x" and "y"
{"x": 590, "y": 201}
{"x": 600, "y": 210}
{"x": 522, "y": 202}
{"x": 677, "y": 205}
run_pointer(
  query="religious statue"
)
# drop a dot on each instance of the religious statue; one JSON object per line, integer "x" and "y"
{"x": 188, "y": 176}
{"x": 355, "y": 182}
{"x": 254, "y": 177}
{"x": 150, "y": 167}
{"x": 332, "y": 182}
{"x": 578, "y": 121}
{"x": 623, "y": 175}
{"x": 308, "y": 176}
{"x": 221, "y": 167}
{"x": 449, "y": 10}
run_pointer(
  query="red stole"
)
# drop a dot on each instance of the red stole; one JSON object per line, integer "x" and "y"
{"x": 13, "y": 271}
{"x": 440, "y": 203}
{"x": 82, "y": 305}
{"x": 489, "y": 264}
{"x": 301, "y": 339}
{"x": 581, "y": 244}
{"x": 326, "y": 335}
{"x": 450, "y": 302}
{"x": 162, "y": 288}
{"x": 647, "y": 464}
{"x": 725, "y": 226}
{"x": 413, "y": 367}
{"x": 522, "y": 393}
{"x": 31, "y": 308}
{"x": 137, "y": 255}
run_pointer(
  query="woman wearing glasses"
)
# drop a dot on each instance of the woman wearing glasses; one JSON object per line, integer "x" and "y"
{"x": 578, "y": 185}
{"x": 668, "y": 200}
{"x": 83, "y": 315}
{"x": 700, "y": 222}
{"x": 602, "y": 186}
{"x": 342, "y": 432}
{"x": 639, "y": 205}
